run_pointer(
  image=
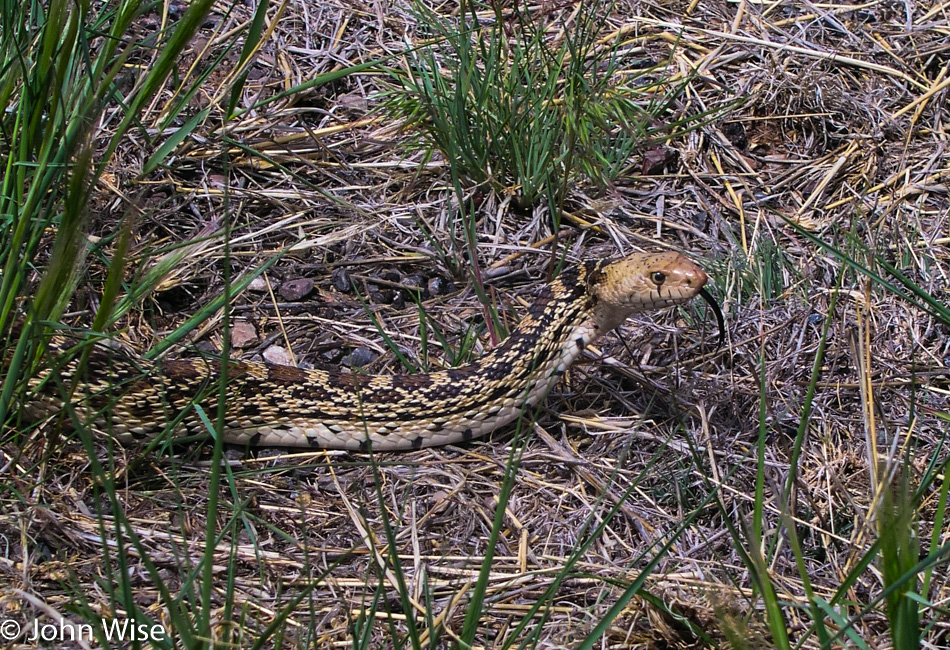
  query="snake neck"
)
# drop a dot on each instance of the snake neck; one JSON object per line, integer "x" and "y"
{"x": 560, "y": 323}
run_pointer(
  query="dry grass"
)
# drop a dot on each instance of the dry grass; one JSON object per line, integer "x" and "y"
{"x": 843, "y": 131}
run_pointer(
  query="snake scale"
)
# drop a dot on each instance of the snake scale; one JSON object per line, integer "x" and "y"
{"x": 130, "y": 398}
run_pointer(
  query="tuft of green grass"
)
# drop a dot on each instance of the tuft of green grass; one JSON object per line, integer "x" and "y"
{"x": 64, "y": 65}
{"x": 526, "y": 108}
{"x": 900, "y": 551}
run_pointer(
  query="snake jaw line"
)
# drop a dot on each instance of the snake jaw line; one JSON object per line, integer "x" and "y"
{"x": 284, "y": 406}
{"x": 627, "y": 286}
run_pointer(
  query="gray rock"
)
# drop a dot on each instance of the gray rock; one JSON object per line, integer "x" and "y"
{"x": 359, "y": 357}
{"x": 294, "y": 290}
{"x": 341, "y": 280}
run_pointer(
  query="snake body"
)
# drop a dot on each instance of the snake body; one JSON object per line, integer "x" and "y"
{"x": 274, "y": 405}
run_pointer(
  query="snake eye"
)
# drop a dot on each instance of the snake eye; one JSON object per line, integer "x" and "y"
{"x": 658, "y": 277}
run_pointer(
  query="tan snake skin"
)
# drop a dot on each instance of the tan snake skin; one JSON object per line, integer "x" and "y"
{"x": 283, "y": 406}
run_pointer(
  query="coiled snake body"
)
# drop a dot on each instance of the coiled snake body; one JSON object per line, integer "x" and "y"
{"x": 273, "y": 405}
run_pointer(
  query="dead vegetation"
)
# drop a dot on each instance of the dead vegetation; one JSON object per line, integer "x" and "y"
{"x": 841, "y": 132}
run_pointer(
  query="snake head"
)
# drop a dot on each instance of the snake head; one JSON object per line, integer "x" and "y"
{"x": 642, "y": 282}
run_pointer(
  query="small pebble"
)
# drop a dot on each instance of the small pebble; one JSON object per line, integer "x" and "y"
{"x": 294, "y": 290}
{"x": 399, "y": 301}
{"x": 416, "y": 281}
{"x": 700, "y": 219}
{"x": 381, "y": 296}
{"x": 735, "y": 133}
{"x": 341, "y": 280}
{"x": 439, "y": 286}
{"x": 176, "y": 9}
{"x": 390, "y": 275}
{"x": 277, "y": 354}
{"x": 257, "y": 284}
{"x": 243, "y": 334}
{"x": 207, "y": 346}
{"x": 359, "y": 357}
{"x": 656, "y": 160}
{"x": 333, "y": 356}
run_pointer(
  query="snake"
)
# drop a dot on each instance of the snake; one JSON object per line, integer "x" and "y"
{"x": 134, "y": 399}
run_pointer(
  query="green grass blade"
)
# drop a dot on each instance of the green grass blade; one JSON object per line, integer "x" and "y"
{"x": 929, "y": 305}
{"x": 251, "y": 42}
{"x": 176, "y": 138}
